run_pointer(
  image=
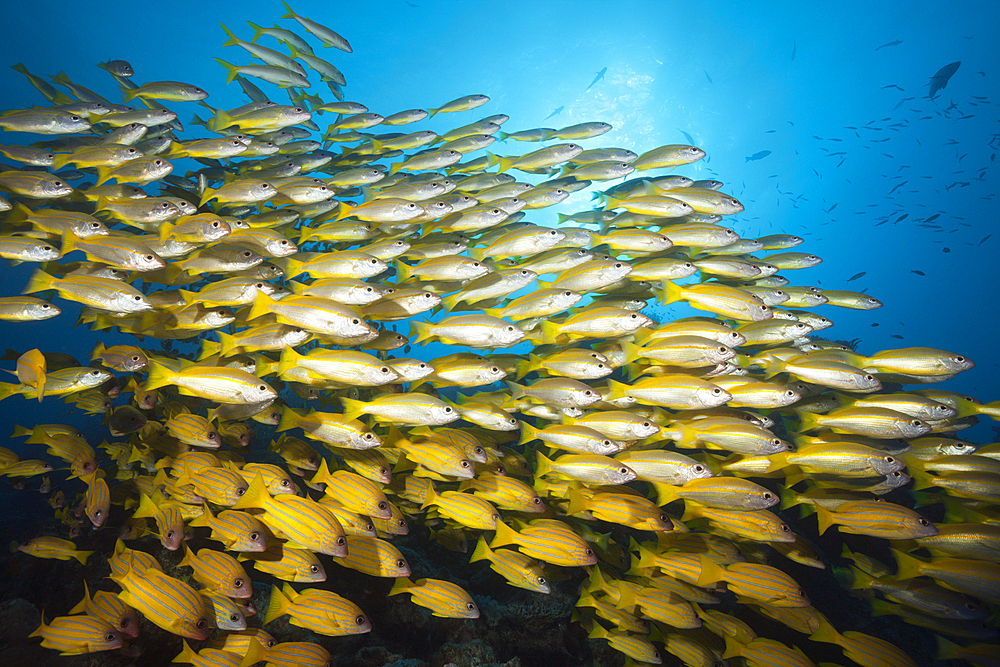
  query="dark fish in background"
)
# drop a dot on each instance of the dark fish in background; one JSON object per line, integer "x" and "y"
{"x": 687, "y": 136}
{"x": 795, "y": 47}
{"x": 557, "y": 110}
{"x": 940, "y": 80}
{"x": 857, "y": 275}
{"x": 759, "y": 155}
{"x": 600, "y": 75}
{"x": 707, "y": 76}
{"x": 892, "y": 43}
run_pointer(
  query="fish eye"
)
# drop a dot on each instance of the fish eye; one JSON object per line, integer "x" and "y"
{"x": 254, "y": 536}
{"x": 589, "y": 552}
{"x": 124, "y": 623}
{"x": 785, "y": 528}
{"x": 355, "y": 321}
{"x": 369, "y": 436}
{"x": 917, "y": 423}
{"x": 110, "y": 637}
{"x": 234, "y": 618}
{"x": 924, "y": 522}
{"x": 464, "y": 463}
{"x": 448, "y": 410}
{"x": 341, "y": 541}
{"x": 716, "y": 391}
{"x": 201, "y": 624}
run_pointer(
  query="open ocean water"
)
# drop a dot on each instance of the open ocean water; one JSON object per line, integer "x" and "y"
{"x": 816, "y": 117}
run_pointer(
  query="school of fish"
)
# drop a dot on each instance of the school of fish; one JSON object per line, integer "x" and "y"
{"x": 292, "y": 265}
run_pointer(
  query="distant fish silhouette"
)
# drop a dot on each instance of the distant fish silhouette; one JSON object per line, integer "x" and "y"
{"x": 555, "y": 112}
{"x": 759, "y": 155}
{"x": 707, "y": 76}
{"x": 894, "y": 43}
{"x": 687, "y": 136}
{"x": 795, "y": 47}
{"x": 940, "y": 80}
{"x": 600, "y": 75}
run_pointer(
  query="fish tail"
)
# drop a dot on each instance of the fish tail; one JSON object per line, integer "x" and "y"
{"x": 789, "y": 498}
{"x": 233, "y": 39}
{"x": 262, "y": 305}
{"x": 129, "y": 94}
{"x": 231, "y": 71}
{"x": 278, "y": 605}
{"x": 290, "y": 14}
{"x": 671, "y": 292}
{"x": 550, "y": 331}
{"x": 861, "y": 579}
{"x": 525, "y": 366}
{"x": 528, "y": 433}
{"x": 159, "y": 375}
{"x": 188, "y": 557}
{"x": 505, "y": 535}
{"x": 395, "y": 167}
{"x": 482, "y": 551}
{"x": 432, "y": 112}
{"x": 187, "y": 654}
{"x": 202, "y": 520}
{"x": 665, "y": 493}
{"x": 81, "y": 606}
{"x": 209, "y": 348}
{"x": 598, "y": 632}
{"x": 401, "y": 585}
{"x": 344, "y": 210}
{"x": 616, "y": 390}
{"x": 38, "y": 282}
{"x": 807, "y": 420}
{"x": 826, "y": 633}
{"x": 504, "y": 162}
{"x": 289, "y": 359}
{"x": 352, "y": 408}
{"x": 710, "y": 572}
{"x": 289, "y": 419}
{"x": 824, "y": 517}
{"x": 403, "y": 271}
{"x": 946, "y": 650}
{"x": 422, "y": 330}
{"x": 82, "y": 556}
{"x": 543, "y": 464}
{"x": 632, "y": 352}
{"x": 577, "y": 502}
{"x": 907, "y": 566}
{"x": 258, "y": 31}
{"x": 255, "y": 496}
{"x": 516, "y": 390}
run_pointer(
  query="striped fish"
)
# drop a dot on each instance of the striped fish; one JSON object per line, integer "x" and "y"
{"x": 288, "y": 564}
{"x": 634, "y": 647}
{"x": 729, "y": 493}
{"x": 353, "y": 524}
{"x": 761, "y": 525}
{"x": 208, "y": 657}
{"x": 519, "y": 570}
{"x": 760, "y": 582}
{"x": 167, "y": 515}
{"x": 289, "y": 654}
{"x": 375, "y": 557}
{"x": 239, "y": 531}
{"x": 224, "y": 613}
{"x": 218, "y": 571}
{"x": 166, "y": 602}
{"x": 52, "y": 547}
{"x": 505, "y": 492}
{"x": 623, "y": 620}
{"x": 304, "y": 522}
{"x": 219, "y": 486}
{"x": 861, "y": 648}
{"x": 876, "y": 518}
{"x": 443, "y": 598}
{"x": 98, "y": 499}
{"x": 124, "y": 558}
{"x": 547, "y": 540}
{"x": 762, "y": 652}
{"x": 110, "y": 609}
{"x": 72, "y": 635}
{"x": 466, "y": 509}
{"x": 353, "y": 492}
{"x": 323, "y": 612}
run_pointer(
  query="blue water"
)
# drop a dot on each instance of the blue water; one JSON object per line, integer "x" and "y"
{"x": 739, "y": 78}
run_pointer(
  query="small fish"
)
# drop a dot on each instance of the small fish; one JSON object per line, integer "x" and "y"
{"x": 443, "y": 598}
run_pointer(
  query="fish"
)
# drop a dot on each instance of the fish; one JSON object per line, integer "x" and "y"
{"x": 941, "y": 78}
{"x": 759, "y": 155}
{"x": 280, "y": 280}
{"x": 73, "y": 635}
{"x": 895, "y": 42}
{"x": 599, "y": 77}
